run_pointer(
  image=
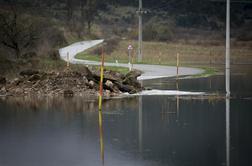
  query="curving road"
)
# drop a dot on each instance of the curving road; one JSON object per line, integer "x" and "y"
{"x": 149, "y": 71}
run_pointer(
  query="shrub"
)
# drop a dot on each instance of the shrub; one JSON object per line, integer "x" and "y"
{"x": 159, "y": 30}
{"x": 54, "y": 54}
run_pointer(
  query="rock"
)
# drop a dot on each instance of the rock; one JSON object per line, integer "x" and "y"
{"x": 85, "y": 80}
{"x": 109, "y": 84}
{"x": 87, "y": 73}
{"x": 68, "y": 93}
{"x": 91, "y": 84}
{"x": 3, "y": 91}
{"x": 133, "y": 91}
{"x": 19, "y": 91}
{"x": 107, "y": 93}
{"x": 3, "y": 80}
{"x": 109, "y": 75}
{"x": 16, "y": 81}
{"x": 124, "y": 88}
{"x": 28, "y": 72}
{"x": 131, "y": 79}
{"x": 133, "y": 74}
{"x": 34, "y": 77}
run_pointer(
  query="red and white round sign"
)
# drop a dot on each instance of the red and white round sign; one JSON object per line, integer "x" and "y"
{"x": 130, "y": 47}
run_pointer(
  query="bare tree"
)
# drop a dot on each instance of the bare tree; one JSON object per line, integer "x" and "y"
{"x": 17, "y": 32}
{"x": 88, "y": 12}
{"x": 69, "y": 10}
{"x": 82, "y": 6}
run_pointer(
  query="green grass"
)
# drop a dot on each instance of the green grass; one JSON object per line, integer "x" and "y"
{"x": 48, "y": 64}
{"x": 88, "y": 57}
{"x": 207, "y": 57}
{"x": 122, "y": 70}
{"x": 97, "y": 58}
{"x": 207, "y": 72}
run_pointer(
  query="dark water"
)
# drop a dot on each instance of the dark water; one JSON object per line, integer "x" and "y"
{"x": 137, "y": 131}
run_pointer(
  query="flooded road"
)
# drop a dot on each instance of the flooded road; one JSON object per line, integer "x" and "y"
{"x": 137, "y": 131}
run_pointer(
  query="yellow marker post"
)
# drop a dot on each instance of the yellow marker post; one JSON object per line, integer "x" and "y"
{"x": 177, "y": 64}
{"x": 159, "y": 57}
{"x": 101, "y": 80}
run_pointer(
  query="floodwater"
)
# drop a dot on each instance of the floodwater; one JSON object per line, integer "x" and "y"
{"x": 134, "y": 131}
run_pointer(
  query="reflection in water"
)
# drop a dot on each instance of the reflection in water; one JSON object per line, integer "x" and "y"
{"x": 101, "y": 137}
{"x": 140, "y": 125}
{"x": 140, "y": 122}
{"x": 228, "y": 131}
{"x": 177, "y": 107}
{"x": 196, "y": 133}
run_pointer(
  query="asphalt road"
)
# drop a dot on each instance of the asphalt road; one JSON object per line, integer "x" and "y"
{"x": 149, "y": 71}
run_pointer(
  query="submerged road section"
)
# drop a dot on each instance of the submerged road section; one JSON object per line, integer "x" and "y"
{"x": 149, "y": 71}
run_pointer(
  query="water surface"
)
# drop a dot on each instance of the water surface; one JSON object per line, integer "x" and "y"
{"x": 140, "y": 130}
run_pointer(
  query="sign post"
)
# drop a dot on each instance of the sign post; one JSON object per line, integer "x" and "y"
{"x": 130, "y": 48}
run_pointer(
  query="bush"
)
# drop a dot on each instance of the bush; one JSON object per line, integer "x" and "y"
{"x": 110, "y": 46}
{"x": 54, "y": 36}
{"x": 158, "y": 30}
{"x": 54, "y": 54}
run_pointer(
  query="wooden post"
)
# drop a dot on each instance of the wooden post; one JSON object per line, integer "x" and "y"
{"x": 159, "y": 57}
{"x": 210, "y": 58}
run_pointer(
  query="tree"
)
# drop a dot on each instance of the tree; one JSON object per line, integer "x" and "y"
{"x": 82, "y": 5}
{"x": 17, "y": 32}
{"x": 69, "y": 10}
{"x": 89, "y": 11}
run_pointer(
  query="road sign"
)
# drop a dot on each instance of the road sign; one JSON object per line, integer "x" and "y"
{"x": 130, "y": 47}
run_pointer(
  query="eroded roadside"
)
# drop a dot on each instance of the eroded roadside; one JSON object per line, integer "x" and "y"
{"x": 70, "y": 83}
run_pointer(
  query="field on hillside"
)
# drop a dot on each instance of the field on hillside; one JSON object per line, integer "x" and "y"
{"x": 166, "y": 53}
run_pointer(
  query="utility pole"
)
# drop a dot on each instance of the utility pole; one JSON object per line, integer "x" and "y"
{"x": 228, "y": 49}
{"x": 140, "y": 12}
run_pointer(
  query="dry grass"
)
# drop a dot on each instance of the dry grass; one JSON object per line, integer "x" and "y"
{"x": 166, "y": 53}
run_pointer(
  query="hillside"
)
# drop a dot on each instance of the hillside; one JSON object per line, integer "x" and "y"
{"x": 39, "y": 28}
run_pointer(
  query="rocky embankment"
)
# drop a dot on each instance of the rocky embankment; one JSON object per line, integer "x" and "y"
{"x": 69, "y": 83}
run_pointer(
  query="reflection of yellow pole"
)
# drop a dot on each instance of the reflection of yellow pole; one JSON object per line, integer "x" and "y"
{"x": 140, "y": 123}
{"x": 101, "y": 137}
{"x": 177, "y": 71}
{"x": 177, "y": 107}
{"x": 101, "y": 81}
